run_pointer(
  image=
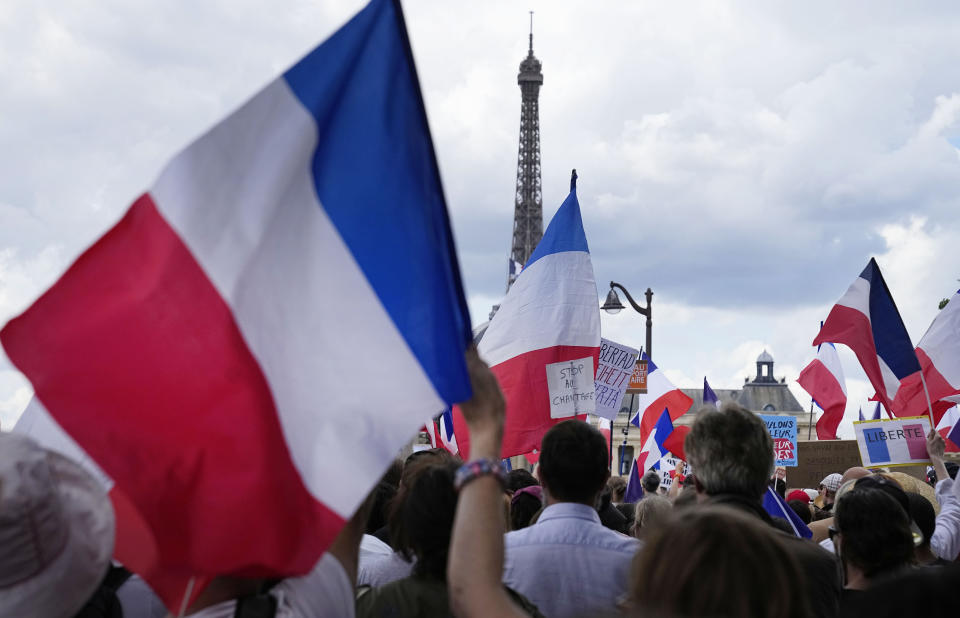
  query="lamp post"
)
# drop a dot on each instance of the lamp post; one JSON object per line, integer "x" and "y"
{"x": 614, "y": 306}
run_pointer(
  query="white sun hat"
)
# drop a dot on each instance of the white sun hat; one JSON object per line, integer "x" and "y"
{"x": 56, "y": 531}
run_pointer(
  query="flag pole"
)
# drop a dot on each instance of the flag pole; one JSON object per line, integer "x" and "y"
{"x": 933, "y": 424}
{"x": 810, "y": 425}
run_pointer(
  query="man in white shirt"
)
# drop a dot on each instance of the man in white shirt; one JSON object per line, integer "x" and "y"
{"x": 568, "y": 564}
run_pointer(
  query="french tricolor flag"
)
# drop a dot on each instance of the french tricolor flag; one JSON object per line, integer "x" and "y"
{"x": 212, "y": 351}
{"x": 551, "y": 314}
{"x": 653, "y": 448}
{"x": 661, "y": 394}
{"x": 823, "y": 379}
{"x": 866, "y": 320}
{"x": 949, "y": 426}
{"x": 939, "y": 356}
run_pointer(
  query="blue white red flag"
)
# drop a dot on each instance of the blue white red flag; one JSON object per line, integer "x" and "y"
{"x": 549, "y": 315}
{"x": 709, "y": 397}
{"x": 774, "y": 505}
{"x": 876, "y": 412}
{"x": 861, "y": 414}
{"x": 939, "y": 355}
{"x": 653, "y": 448}
{"x": 661, "y": 394}
{"x": 866, "y": 320}
{"x": 823, "y": 379}
{"x": 207, "y": 350}
{"x": 634, "y": 487}
{"x": 949, "y": 428}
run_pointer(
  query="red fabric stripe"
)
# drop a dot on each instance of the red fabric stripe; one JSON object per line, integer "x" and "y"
{"x": 851, "y": 328}
{"x": 676, "y": 403}
{"x": 822, "y": 385}
{"x": 523, "y": 380}
{"x": 137, "y": 356}
{"x": 912, "y": 401}
{"x": 675, "y": 441}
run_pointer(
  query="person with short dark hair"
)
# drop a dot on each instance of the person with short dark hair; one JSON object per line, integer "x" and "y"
{"x": 871, "y": 533}
{"x": 567, "y": 563}
{"x": 802, "y": 509}
{"x": 520, "y": 478}
{"x": 732, "y": 453}
{"x": 922, "y": 514}
{"x": 650, "y": 481}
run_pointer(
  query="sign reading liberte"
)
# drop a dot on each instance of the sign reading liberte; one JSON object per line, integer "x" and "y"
{"x": 893, "y": 442}
{"x": 614, "y": 371}
{"x": 571, "y": 388}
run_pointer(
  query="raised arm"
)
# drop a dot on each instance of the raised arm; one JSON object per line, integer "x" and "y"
{"x": 475, "y": 565}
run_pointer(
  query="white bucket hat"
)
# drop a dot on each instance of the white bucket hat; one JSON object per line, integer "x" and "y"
{"x": 56, "y": 531}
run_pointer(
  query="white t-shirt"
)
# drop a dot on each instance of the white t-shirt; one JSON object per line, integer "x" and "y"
{"x": 324, "y": 591}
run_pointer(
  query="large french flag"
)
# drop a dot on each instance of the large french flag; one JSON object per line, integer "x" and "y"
{"x": 661, "y": 393}
{"x": 212, "y": 352}
{"x": 939, "y": 356}
{"x": 823, "y": 379}
{"x": 653, "y": 448}
{"x": 949, "y": 426}
{"x": 551, "y": 314}
{"x": 866, "y": 320}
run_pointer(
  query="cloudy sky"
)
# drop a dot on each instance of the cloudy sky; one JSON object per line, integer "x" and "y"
{"x": 744, "y": 160}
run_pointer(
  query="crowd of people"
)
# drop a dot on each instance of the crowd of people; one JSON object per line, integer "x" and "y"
{"x": 439, "y": 536}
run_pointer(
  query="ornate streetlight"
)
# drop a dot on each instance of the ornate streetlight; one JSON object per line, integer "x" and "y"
{"x": 614, "y": 306}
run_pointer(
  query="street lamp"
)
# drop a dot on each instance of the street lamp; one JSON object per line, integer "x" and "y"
{"x": 613, "y": 306}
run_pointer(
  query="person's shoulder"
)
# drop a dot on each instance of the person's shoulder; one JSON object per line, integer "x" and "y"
{"x": 410, "y": 596}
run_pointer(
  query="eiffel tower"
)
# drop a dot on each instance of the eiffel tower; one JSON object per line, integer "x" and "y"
{"x": 528, "y": 203}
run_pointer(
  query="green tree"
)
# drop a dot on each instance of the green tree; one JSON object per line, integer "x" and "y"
{"x": 943, "y": 303}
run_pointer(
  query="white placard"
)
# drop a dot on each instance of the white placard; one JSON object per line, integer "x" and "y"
{"x": 570, "y": 384}
{"x": 614, "y": 369}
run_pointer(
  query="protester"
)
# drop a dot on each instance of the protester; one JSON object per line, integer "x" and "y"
{"x": 524, "y": 504}
{"x": 872, "y": 534}
{"x": 610, "y": 516}
{"x": 475, "y": 564}
{"x": 719, "y": 562}
{"x": 567, "y": 563}
{"x": 650, "y": 483}
{"x": 802, "y": 509}
{"x": 945, "y": 541}
{"x": 617, "y": 485}
{"x": 57, "y": 531}
{"x": 421, "y": 530}
{"x": 828, "y": 490}
{"x": 732, "y": 453}
{"x": 922, "y": 514}
{"x": 651, "y": 512}
{"x": 520, "y": 478}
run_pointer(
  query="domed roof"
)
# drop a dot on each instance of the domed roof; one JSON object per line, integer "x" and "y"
{"x": 764, "y": 357}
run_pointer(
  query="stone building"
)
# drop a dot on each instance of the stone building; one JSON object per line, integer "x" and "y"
{"x": 763, "y": 394}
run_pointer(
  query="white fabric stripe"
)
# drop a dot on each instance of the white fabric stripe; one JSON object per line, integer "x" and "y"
{"x": 890, "y": 381}
{"x": 657, "y": 386}
{"x": 942, "y": 342}
{"x": 857, "y": 296}
{"x": 242, "y": 198}
{"x": 556, "y": 289}
{"x": 949, "y": 419}
{"x": 831, "y": 360}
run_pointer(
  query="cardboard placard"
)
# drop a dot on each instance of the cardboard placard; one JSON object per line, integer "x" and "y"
{"x": 783, "y": 430}
{"x": 815, "y": 460}
{"x": 893, "y": 442}
{"x": 614, "y": 371}
{"x": 638, "y": 380}
{"x": 571, "y": 389}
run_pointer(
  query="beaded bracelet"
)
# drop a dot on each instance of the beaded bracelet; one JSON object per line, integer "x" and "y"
{"x": 477, "y": 468}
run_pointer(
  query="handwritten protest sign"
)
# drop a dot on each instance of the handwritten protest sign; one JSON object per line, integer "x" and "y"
{"x": 893, "y": 442}
{"x": 570, "y": 385}
{"x": 638, "y": 381}
{"x": 614, "y": 370}
{"x": 667, "y": 465}
{"x": 783, "y": 430}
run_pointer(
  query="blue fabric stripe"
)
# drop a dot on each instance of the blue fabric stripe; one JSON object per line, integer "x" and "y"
{"x": 377, "y": 178}
{"x": 889, "y": 334}
{"x": 774, "y": 505}
{"x": 565, "y": 232}
{"x": 650, "y": 366}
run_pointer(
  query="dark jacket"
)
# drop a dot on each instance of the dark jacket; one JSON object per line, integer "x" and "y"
{"x": 821, "y": 568}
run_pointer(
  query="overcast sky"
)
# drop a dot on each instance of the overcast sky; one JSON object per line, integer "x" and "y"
{"x": 744, "y": 160}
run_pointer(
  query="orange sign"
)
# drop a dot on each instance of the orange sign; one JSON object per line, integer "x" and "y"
{"x": 638, "y": 381}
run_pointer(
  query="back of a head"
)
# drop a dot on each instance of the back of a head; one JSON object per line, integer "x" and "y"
{"x": 573, "y": 462}
{"x": 731, "y": 451}
{"x": 875, "y": 533}
{"x": 520, "y": 478}
{"x": 422, "y": 519}
{"x": 650, "y": 482}
{"x": 922, "y": 513}
{"x": 651, "y": 512}
{"x": 618, "y": 488}
{"x": 715, "y": 561}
